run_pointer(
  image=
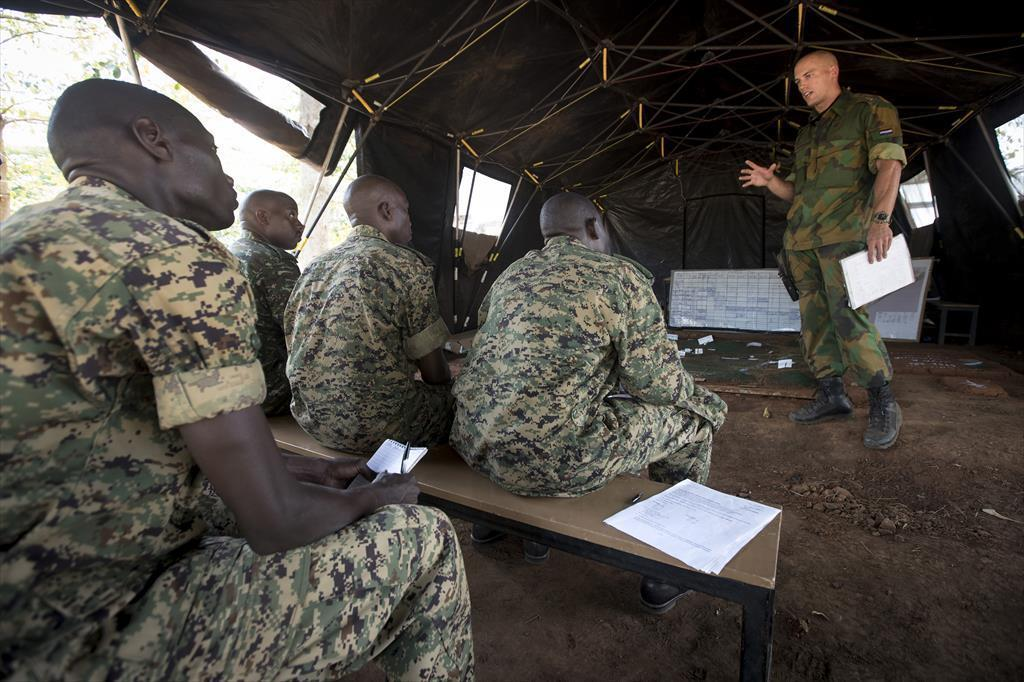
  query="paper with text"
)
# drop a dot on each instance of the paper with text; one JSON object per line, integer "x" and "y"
{"x": 867, "y": 282}
{"x": 388, "y": 457}
{"x": 701, "y": 527}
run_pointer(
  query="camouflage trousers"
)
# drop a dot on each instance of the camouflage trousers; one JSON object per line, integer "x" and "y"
{"x": 835, "y": 337}
{"x": 422, "y": 414}
{"x": 389, "y": 588}
{"x": 672, "y": 443}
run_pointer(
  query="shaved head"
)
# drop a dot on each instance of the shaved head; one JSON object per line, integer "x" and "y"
{"x": 816, "y": 75}
{"x": 106, "y": 108}
{"x": 376, "y": 201}
{"x": 821, "y": 58}
{"x": 272, "y": 215}
{"x": 574, "y": 215}
{"x": 146, "y": 144}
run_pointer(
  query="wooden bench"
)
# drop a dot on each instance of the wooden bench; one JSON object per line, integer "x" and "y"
{"x": 577, "y": 525}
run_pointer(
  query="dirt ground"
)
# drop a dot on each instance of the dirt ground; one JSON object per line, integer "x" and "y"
{"x": 888, "y": 567}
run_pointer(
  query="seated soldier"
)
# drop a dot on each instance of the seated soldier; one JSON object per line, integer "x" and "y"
{"x": 561, "y": 330}
{"x": 270, "y": 225}
{"x": 130, "y": 371}
{"x": 362, "y": 319}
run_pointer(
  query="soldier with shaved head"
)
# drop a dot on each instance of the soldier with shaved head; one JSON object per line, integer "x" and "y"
{"x": 843, "y": 187}
{"x": 363, "y": 319}
{"x": 562, "y": 330}
{"x": 271, "y": 226}
{"x": 130, "y": 383}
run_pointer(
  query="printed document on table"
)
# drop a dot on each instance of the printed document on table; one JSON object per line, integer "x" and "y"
{"x": 701, "y": 527}
{"x": 389, "y": 457}
{"x": 867, "y": 282}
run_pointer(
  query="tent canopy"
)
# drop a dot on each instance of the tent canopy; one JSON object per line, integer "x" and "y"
{"x": 649, "y": 108}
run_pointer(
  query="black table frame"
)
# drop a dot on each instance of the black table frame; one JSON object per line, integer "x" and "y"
{"x": 758, "y": 602}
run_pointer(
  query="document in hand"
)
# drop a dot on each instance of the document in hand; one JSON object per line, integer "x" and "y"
{"x": 389, "y": 458}
{"x": 701, "y": 527}
{"x": 867, "y": 282}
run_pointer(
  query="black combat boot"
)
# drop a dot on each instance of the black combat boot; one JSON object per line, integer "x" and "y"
{"x": 884, "y": 418}
{"x": 658, "y": 597}
{"x": 830, "y": 402}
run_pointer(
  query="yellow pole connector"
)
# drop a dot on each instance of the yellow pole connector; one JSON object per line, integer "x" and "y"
{"x": 366, "y": 105}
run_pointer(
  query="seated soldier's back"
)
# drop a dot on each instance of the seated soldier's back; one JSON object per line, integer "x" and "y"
{"x": 545, "y": 357}
{"x": 358, "y": 315}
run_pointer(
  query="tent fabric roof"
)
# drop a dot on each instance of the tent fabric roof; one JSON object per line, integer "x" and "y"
{"x": 587, "y": 95}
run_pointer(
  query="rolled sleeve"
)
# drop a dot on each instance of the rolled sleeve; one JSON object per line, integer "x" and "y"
{"x": 424, "y": 342}
{"x": 883, "y": 135}
{"x": 423, "y": 329}
{"x": 188, "y": 397}
{"x": 886, "y": 150}
{"x": 193, "y": 322}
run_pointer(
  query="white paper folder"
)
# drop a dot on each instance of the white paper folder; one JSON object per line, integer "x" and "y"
{"x": 867, "y": 282}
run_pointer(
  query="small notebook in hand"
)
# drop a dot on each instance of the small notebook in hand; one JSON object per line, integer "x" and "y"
{"x": 388, "y": 458}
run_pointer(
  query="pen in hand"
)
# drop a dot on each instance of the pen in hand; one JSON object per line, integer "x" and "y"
{"x": 401, "y": 468}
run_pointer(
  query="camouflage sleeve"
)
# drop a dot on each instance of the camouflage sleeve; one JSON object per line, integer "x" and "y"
{"x": 882, "y": 134}
{"x": 192, "y": 320}
{"x": 277, "y": 291}
{"x": 649, "y": 367}
{"x": 423, "y": 329}
{"x": 485, "y": 305}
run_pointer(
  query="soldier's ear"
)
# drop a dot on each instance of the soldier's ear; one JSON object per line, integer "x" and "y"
{"x": 262, "y": 217}
{"x": 384, "y": 210}
{"x": 591, "y": 229}
{"x": 148, "y": 134}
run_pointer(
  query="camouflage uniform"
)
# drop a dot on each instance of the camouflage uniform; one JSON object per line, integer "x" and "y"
{"x": 561, "y": 330}
{"x": 833, "y": 177}
{"x": 271, "y": 272}
{"x": 120, "y": 324}
{"x": 359, "y": 318}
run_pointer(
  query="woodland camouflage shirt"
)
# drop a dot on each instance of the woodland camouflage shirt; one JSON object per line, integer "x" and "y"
{"x": 834, "y": 170}
{"x": 119, "y": 324}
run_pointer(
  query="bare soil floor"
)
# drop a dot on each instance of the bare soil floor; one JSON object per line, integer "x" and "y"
{"x": 888, "y": 567}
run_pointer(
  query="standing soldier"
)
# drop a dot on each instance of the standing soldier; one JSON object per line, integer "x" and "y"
{"x": 844, "y": 184}
{"x": 270, "y": 224}
{"x": 129, "y": 371}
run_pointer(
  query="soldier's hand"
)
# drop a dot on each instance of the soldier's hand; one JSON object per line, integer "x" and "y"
{"x": 757, "y": 176}
{"x": 339, "y": 473}
{"x": 396, "y": 489}
{"x": 879, "y": 241}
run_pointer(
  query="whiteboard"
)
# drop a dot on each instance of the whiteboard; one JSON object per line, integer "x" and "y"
{"x": 731, "y": 299}
{"x": 898, "y": 316}
{"x": 756, "y": 300}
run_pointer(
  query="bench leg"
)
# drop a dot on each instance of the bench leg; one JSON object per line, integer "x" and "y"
{"x": 756, "y": 642}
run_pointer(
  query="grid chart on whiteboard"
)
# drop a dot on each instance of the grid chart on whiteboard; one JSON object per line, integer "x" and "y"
{"x": 731, "y": 299}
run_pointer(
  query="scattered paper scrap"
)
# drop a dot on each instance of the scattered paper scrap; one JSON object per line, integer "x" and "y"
{"x": 785, "y": 363}
{"x": 754, "y": 344}
{"x": 704, "y": 340}
{"x": 673, "y": 337}
{"x": 993, "y": 512}
{"x": 698, "y": 351}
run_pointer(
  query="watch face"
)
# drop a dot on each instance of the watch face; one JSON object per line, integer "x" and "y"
{"x": 881, "y": 217}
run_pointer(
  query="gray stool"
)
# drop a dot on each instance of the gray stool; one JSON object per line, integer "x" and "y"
{"x": 944, "y": 308}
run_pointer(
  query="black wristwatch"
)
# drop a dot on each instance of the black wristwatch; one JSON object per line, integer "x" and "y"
{"x": 882, "y": 217}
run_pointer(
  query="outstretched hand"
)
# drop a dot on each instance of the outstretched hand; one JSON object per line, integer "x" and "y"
{"x": 757, "y": 176}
